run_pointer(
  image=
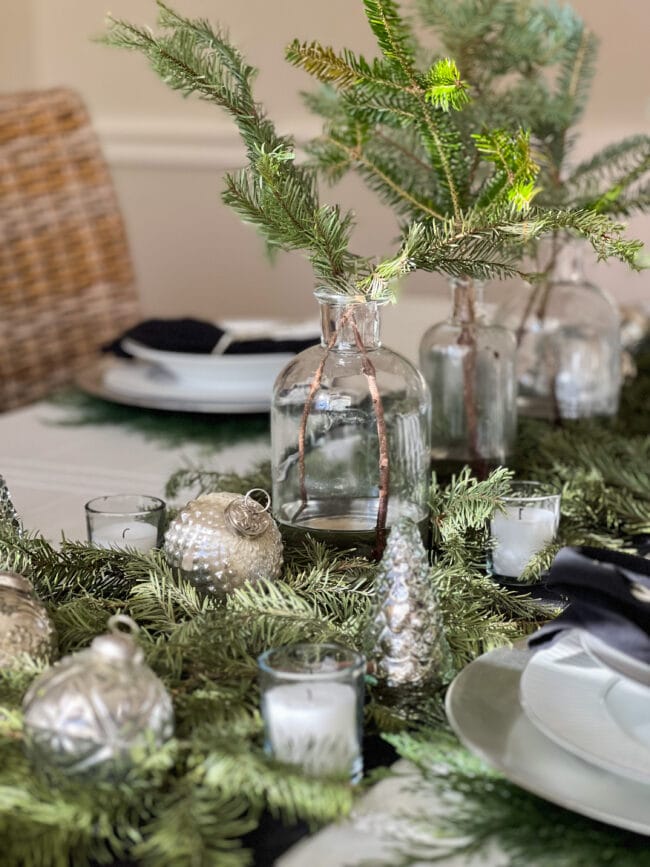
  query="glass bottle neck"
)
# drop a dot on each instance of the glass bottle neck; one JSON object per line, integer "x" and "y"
{"x": 348, "y": 326}
{"x": 466, "y": 300}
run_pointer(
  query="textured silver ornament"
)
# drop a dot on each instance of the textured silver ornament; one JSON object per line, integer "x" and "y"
{"x": 88, "y": 711}
{"x": 221, "y": 541}
{"x": 8, "y": 513}
{"x": 25, "y": 627}
{"x": 407, "y": 640}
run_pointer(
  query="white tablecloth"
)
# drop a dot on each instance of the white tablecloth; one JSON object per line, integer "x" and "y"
{"x": 52, "y": 470}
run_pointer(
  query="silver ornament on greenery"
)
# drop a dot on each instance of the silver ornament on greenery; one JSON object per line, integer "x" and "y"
{"x": 407, "y": 644}
{"x": 221, "y": 541}
{"x": 89, "y": 711}
{"x": 8, "y": 513}
{"x": 26, "y": 630}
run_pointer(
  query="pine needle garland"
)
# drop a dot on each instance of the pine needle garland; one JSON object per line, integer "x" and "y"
{"x": 197, "y": 797}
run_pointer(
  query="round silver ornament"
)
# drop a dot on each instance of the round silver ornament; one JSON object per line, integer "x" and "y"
{"x": 25, "y": 627}
{"x": 221, "y": 541}
{"x": 92, "y": 708}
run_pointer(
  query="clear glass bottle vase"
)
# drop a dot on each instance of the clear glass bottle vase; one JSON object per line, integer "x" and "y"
{"x": 568, "y": 336}
{"x": 349, "y": 434}
{"x": 469, "y": 367}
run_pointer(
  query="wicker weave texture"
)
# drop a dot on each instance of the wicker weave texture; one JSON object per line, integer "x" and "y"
{"x": 66, "y": 281}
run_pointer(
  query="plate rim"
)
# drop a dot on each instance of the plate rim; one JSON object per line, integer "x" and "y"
{"x": 516, "y": 660}
{"x": 610, "y": 678}
{"x": 90, "y": 380}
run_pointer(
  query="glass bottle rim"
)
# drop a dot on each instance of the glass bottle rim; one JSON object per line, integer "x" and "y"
{"x": 325, "y": 295}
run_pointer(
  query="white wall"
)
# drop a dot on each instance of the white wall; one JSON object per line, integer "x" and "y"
{"x": 192, "y": 255}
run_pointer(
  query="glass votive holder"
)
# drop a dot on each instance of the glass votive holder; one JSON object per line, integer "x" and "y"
{"x": 312, "y": 706}
{"x": 126, "y": 521}
{"x": 527, "y": 524}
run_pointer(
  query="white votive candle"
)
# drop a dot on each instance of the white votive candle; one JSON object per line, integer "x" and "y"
{"x": 134, "y": 534}
{"x": 518, "y": 534}
{"x": 313, "y": 725}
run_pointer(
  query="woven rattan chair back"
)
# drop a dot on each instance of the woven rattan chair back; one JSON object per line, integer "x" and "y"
{"x": 66, "y": 282}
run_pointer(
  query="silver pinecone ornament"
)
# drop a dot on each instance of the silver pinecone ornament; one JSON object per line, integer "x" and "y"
{"x": 221, "y": 541}
{"x": 91, "y": 709}
{"x": 26, "y": 631}
{"x": 8, "y": 513}
{"x": 407, "y": 640}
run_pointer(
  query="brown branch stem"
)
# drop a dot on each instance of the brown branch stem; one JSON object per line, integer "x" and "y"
{"x": 384, "y": 462}
{"x": 465, "y": 309}
{"x": 313, "y": 388}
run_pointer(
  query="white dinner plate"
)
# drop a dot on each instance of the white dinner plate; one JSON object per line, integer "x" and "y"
{"x": 588, "y": 708}
{"x": 615, "y": 659}
{"x": 235, "y": 374}
{"x": 484, "y": 710}
{"x": 247, "y": 371}
{"x": 134, "y": 384}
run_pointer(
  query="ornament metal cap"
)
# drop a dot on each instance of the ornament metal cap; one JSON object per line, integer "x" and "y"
{"x": 247, "y": 516}
{"x": 119, "y": 645}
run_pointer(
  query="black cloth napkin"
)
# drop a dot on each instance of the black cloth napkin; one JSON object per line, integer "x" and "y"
{"x": 198, "y": 336}
{"x": 609, "y": 596}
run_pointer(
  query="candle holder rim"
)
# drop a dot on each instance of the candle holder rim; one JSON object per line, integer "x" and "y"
{"x": 157, "y": 505}
{"x": 356, "y": 663}
{"x": 546, "y": 491}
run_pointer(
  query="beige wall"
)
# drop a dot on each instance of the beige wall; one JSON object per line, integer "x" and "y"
{"x": 192, "y": 255}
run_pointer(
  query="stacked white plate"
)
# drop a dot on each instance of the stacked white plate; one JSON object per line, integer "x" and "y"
{"x": 570, "y": 722}
{"x": 198, "y": 382}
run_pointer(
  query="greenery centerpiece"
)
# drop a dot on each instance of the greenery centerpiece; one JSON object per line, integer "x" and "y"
{"x": 418, "y": 139}
{"x": 465, "y": 221}
{"x": 531, "y": 64}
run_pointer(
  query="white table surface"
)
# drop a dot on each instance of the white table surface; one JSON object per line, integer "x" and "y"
{"x": 52, "y": 470}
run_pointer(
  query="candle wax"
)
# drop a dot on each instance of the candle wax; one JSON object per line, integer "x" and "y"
{"x": 313, "y": 725}
{"x": 126, "y": 534}
{"x": 519, "y": 533}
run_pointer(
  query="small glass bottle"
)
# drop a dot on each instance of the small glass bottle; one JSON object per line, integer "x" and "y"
{"x": 569, "y": 343}
{"x": 469, "y": 367}
{"x": 349, "y": 434}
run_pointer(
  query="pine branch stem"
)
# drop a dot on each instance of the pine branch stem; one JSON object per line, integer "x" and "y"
{"x": 356, "y": 155}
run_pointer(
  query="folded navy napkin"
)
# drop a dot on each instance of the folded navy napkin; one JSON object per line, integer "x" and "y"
{"x": 198, "y": 336}
{"x": 609, "y": 596}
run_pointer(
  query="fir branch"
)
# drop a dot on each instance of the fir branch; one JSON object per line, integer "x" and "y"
{"x": 605, "y": 181}
{"x": 273, "y": 193}
{"x": 393, "y": 36}
{"x": 446, "y": 89}
{"x": 481, "y": 809}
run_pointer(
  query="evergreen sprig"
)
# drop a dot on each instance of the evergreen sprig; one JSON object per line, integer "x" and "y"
{"x": 531, "y": 64}
{"x": 435, "y": 156}
{"x": 273, "y": 193}
{"x": 481, "y": 809}
{"x": 488, "y": 172}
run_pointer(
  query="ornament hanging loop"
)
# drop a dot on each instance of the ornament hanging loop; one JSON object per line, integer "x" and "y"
{"x": 122, "y": 620}
{"x": 248, "y": 516}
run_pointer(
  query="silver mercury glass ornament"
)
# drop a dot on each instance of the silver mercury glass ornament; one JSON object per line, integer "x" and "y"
{"x": 26, "y": 630}
{"x": 7, "y": 511}
{"x": 222, "y": 540}
{"x": 88, "y": 711}
{"x": 407, "y": 642}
